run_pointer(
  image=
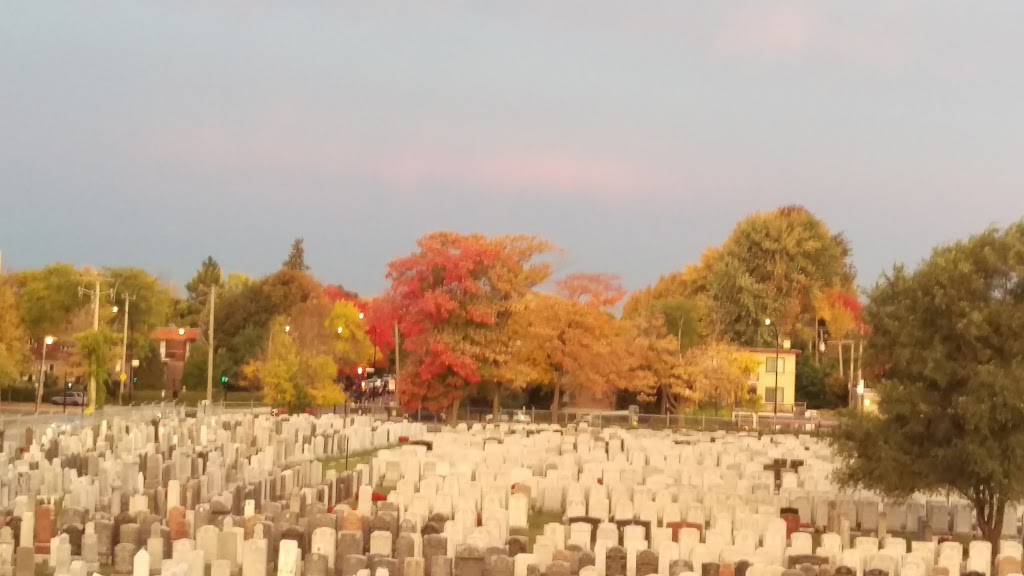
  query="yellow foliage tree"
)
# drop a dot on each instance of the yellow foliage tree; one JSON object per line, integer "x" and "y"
{"x": 293, "y": 377}
{"x": 13, "y": 339}
{"x": 715, "y": 374}
{"x": 352, "y": 344}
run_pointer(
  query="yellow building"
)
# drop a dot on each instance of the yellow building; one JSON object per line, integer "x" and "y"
{"x": 763, "y": 383}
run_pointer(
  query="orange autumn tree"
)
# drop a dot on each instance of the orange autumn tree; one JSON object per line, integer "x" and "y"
{"x": 572, "y": 343}
{"x": 453, "y": 299}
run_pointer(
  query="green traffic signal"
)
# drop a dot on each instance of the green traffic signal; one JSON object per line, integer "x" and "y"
{"x": 223, "y": 379}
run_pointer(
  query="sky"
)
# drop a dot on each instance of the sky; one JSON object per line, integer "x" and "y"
{"x": 633, "y": 135}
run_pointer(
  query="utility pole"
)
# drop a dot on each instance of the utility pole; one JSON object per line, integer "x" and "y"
{"x": 209, "y": 356}
{"x": 95, "y": 293}
{"x": 396, "y": 360}
{"x": 123, "y": 376}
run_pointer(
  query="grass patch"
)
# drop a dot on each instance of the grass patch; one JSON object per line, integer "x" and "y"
{"x": 337, "y": 463}
{"x": 535, "y": 524}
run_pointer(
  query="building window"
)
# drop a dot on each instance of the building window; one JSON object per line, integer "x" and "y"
{"x": 769, "y": 395}
{"x": 51, "y": 368}
{"x": 773, "y": 362}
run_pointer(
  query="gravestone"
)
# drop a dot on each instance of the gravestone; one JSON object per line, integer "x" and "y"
{"x": 615, "y": 561}
{"x": 646, "y": 563}
{"x": 352, "y": 564}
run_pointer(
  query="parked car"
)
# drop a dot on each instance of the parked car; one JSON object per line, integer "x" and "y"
{"x": 69, "y": 399}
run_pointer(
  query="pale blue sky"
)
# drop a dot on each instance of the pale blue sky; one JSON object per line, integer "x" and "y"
{"x": 633, "y": 134}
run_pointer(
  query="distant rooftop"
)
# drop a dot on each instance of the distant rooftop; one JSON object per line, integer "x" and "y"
{"x": 174, "y": 333}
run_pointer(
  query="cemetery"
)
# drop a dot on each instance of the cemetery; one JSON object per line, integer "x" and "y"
{"x": 250, "y": 495}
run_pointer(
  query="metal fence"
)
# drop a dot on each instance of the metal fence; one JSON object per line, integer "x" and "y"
{"x": 768, "y": 422}
{"x": 15, "y": 427}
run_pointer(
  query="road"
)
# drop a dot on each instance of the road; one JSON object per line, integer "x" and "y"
{"x": 29, "y": 408}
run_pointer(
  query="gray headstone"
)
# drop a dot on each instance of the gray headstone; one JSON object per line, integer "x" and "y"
{"x": 647, "y": 563}
{"x": 124, "y": 557}
{"x": 413, "y": 567}
{"x": 615, "y": 561}
{"x": 25, "y": 561}
{"x": 517, "y": 545}
{"x": 469, "y": 561}
{"x": 352, "y": 564}
{"x": 315, "y": 565}
{"x": 349, "y": 543}
{"x": 499, "y": 565}
{"x": 440, "y": 565}
{"x": 677, "y": 567}
{"x": 558, "y": 568}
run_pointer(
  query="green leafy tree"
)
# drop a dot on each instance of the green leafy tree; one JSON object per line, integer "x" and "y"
{"x": 96, "y": 349}
{"x": 13, "y": 338}
{"x": 813, "y": 383}
{"x": 150, "y": 373}
{"x": 296, "y": 257}
{"x": 193, "y": 374}
{"x": 945, "y": 338}
{"x": 149, "y": 307}
{"x": 209, "y": 274}
{"x": 774, "y": 265}
{"x": 49, "y": 298}
{"x": 189, "y": 310}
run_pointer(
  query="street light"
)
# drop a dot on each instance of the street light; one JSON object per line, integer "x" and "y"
{"x": 42, "y": 373}
{"x": 340, "y": 329}
{"x": 114, "y": 309}
{"x": 860, "y": 394}
{"x": 361, "y": 316}
{"x": 181, "y": 331}
{"x": 287, "y": 328}
{"x": 768, "y": 322}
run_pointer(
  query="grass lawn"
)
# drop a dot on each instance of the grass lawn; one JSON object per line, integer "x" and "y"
{"x": 337, "y": 463}
{"x": 354, "y": 459}
{"x": 535, "y": 524}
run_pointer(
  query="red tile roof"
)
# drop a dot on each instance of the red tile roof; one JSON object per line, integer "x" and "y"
{"x": 170, "y": 334}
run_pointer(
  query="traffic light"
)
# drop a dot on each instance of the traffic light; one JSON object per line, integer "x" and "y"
{"x": 135, "y": 380}
{"x": 223, "y": 379}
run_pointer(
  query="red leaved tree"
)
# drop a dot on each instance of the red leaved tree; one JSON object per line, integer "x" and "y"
{"x": 451, "y": 300}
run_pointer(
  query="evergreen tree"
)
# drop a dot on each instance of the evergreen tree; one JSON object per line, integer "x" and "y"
{"x": 297, "y": 257}
{"x": 209, "y": 274}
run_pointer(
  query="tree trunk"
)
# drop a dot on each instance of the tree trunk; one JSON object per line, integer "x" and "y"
{"x": 841, "y": 359}
{"x": 453, "y": 417}
{"x": 556, "y": 403}
{"x": 990, "y": 521}
{"x": 496, "y": 403}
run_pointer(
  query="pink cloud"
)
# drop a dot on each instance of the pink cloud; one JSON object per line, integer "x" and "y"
{"x": 770, "y": 31}
{"x": 796, "y": 32}
{"x": 219, "y": 148}
{"x": 519, "y": 172}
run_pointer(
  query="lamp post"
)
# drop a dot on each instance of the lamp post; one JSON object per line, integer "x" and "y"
{"x": 42, "y": 373}
{"x": 860, "y": 394}
{"x": 768, "y": 323}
